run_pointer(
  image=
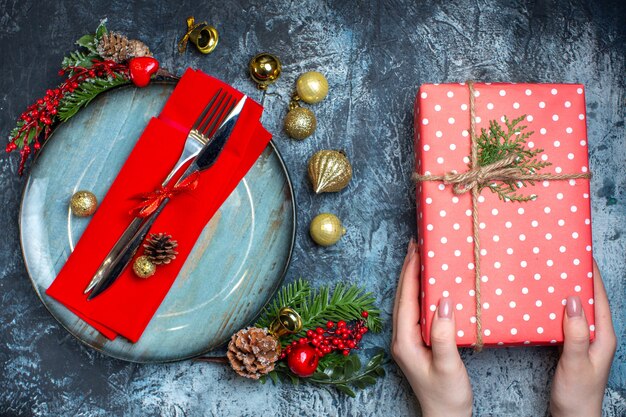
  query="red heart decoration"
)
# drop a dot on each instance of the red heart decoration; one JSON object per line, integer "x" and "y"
{"x": 141, "y": 69}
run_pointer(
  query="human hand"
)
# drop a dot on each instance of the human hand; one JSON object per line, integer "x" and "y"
{"x": 437, "y": 375}
{"x": 583, "y": 369}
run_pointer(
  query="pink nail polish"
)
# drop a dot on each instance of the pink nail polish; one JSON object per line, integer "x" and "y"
{"x": 573, "y": 306}
{"x": 411, "y": 248}
{"x": 445, "y": 308}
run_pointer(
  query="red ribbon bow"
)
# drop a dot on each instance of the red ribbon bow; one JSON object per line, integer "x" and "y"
{"x": 152, "y": 200}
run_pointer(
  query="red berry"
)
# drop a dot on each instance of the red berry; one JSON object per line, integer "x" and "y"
{"x": 37, "y": 146}
{"x": 345, "y": 352}
{"x": 351, "y": 344}
{"x": 341, "y": 323}
{"x": 330, "y": 324}
{"x": 319, "y": 330}
{"x": 358, "y": 337}
{"x": 310, "y": 333}
{"x": 303, "y": 360}
{"x": 294, "y": 343}
{"x": 364, "y": 314}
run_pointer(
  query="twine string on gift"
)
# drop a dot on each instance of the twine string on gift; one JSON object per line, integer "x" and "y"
{"x": 477, "y": 177}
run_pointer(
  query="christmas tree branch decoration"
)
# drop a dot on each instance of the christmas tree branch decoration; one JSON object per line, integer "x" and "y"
{"x": 310, "y": 334}
{"x": 496, "y": 145}
{"x": 331, "y": 325}
{"x": 317, "y": 307}
{"x": 105, "y": 60}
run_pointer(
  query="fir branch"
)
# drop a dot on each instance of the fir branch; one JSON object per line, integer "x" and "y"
{"x": 86, "y": 92}
{"x": 496, "y": 144}
{"x": 79, "y": 59}
{"x": 316, "y": 307}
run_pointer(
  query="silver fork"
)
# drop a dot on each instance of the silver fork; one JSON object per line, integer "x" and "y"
{"x": 202, "y": 131}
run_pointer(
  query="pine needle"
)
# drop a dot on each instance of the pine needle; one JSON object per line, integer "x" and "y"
{"x": 497, "y": 144}
{"x": 86, "y": 92}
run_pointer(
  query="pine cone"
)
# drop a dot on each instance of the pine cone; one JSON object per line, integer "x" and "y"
{"x": 159, "y": 248}
{"x": 119, "y": 48}
{"x": 252, "y": 352}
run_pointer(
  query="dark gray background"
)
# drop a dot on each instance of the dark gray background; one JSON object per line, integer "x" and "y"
{"x": 375, "y": 55}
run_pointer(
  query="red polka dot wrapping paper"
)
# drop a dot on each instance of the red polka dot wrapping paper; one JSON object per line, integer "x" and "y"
{"x": 533, "y": 254}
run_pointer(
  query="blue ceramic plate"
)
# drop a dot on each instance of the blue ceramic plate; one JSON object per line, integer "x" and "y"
{"x": 234, "y": 269}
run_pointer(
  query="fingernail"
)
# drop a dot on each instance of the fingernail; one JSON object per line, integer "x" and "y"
{"x": 445, "y": 308}
{"x": 411, "y": 248}
{"x": 573, "y": 306}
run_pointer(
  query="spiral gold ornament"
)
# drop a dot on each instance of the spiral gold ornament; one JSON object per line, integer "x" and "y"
{"x": 312, "y": 87}
{"x": 83, "y": 203}
{"x": 329, "y": 171}
{"x": 300, "y": 123}
{"x": 326, "y": 229}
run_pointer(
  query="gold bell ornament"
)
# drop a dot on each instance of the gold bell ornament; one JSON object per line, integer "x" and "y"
{"x": 264, "y": 69}
{"x": 203, "y": 36}
{"x": 326, "y": 229}
{"x": 311, "y": 88}
{"x": 83, "y": 203}
{"x": 329, "y": 171}
{"x": 288, "y": 321}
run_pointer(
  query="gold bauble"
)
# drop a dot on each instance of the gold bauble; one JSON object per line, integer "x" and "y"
{"x": 83, "y": 203}
{"x": 300, "y": 123}
{"x": 143, "y": 268}
{"x": 326, "y": 229}
{"x": 312, "y": 87}
{"x": 264, "y": 69}
{"x": 329, "y": 171}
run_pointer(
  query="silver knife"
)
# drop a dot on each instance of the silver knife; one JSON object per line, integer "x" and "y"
{"x": 204, "y": 160}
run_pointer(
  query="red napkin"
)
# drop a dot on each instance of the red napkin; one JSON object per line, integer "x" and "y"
{"x": 128, "y": 305}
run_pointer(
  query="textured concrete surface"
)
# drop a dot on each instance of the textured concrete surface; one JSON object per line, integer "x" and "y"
{"x": 375, "y": 55}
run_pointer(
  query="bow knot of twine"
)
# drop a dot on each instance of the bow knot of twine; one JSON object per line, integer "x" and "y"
{"x": 151, "y": 201}
{"x": 473, "y": 180}
{"x": 481, "y": 175}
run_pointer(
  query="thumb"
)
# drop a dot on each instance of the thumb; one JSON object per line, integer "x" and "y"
{"x": 575, "y": 331}
{"x": 442, "y": 336}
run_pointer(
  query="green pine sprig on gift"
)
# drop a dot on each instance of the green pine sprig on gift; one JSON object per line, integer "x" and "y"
{"x": 317, "y": 306}
{"x": 496, "y": 144}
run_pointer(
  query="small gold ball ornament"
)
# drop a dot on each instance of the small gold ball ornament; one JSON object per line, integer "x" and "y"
{"x": 329, "y": 171}
{"x": 143, "y": 268}
{"x": 83, "y": 203}
{"x": 312, "y": 87}
{"x": 300, "y": 123}
{"x": 326, "y": 229}
{"x": 264, "y": 69}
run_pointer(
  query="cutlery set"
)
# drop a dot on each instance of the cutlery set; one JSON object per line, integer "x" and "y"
{"x": 203, "y": 145}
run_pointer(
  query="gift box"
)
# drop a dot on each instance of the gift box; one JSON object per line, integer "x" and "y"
{"x": 503, "y": 214}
